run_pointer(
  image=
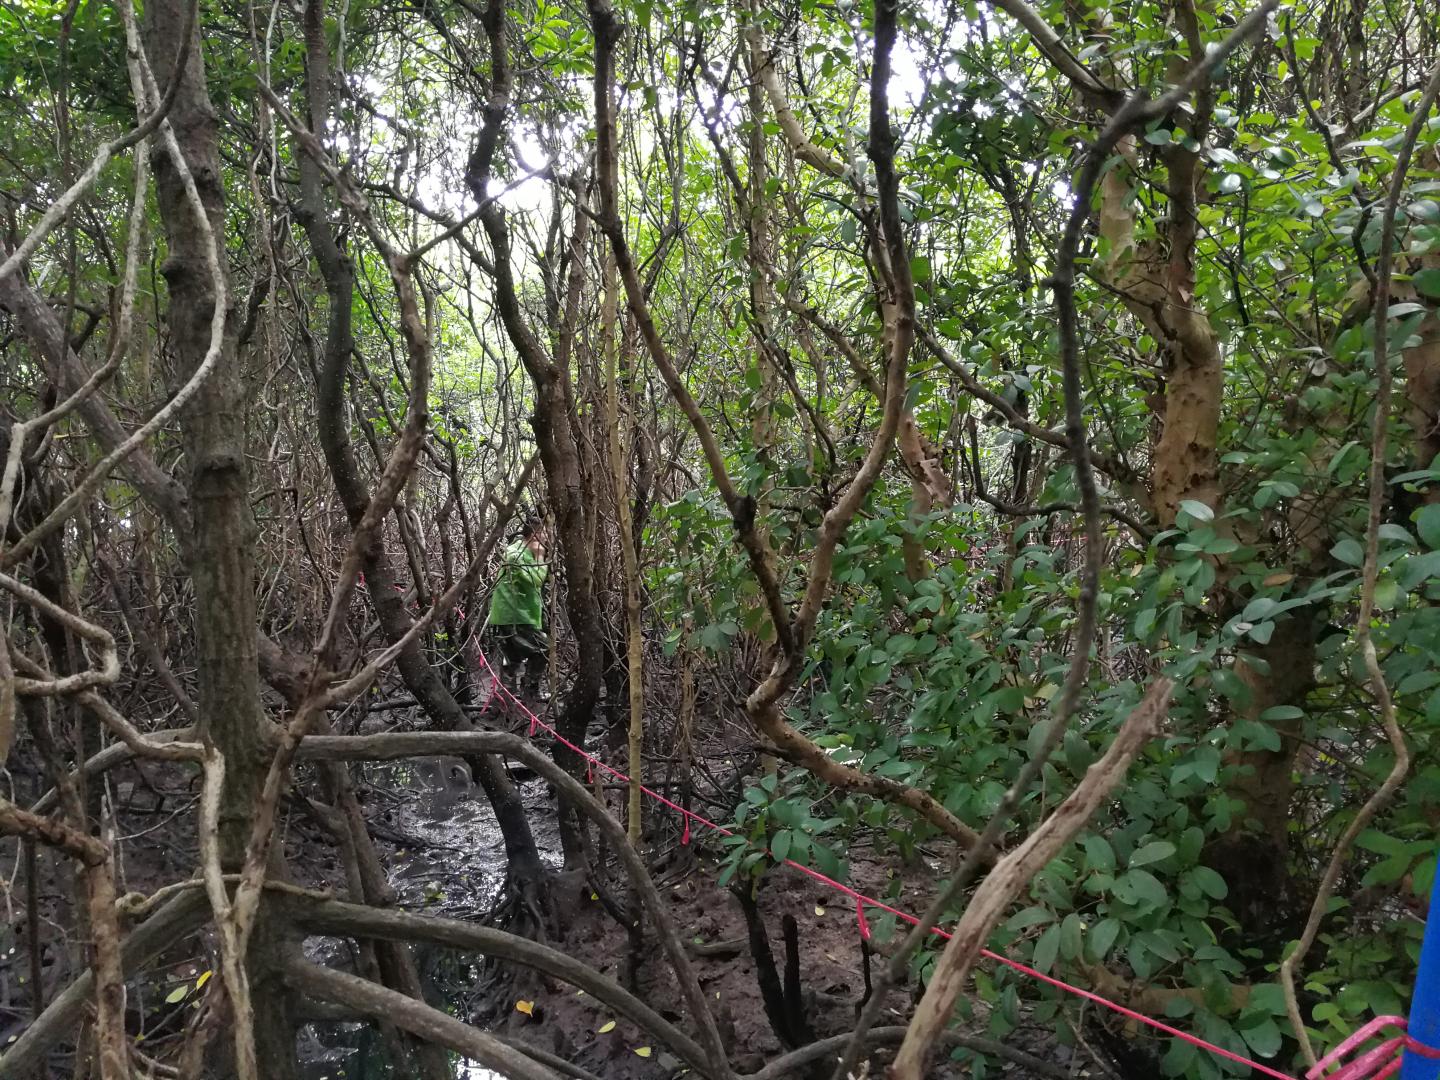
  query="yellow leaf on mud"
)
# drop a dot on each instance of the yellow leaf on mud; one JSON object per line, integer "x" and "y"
{"x": 819, "y": 910}
{"x": 526, "y": 1007}
{"x": 642, "y": 1051}
{"x": 204, "y": 978}
{"x": 609, "y": 1025}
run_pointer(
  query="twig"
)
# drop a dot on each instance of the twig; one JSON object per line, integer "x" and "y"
{"x": 104, "y": 674}
{"x": 20, "y": 433}
{"x": 148, "y": 123}
{"x": 163, "y": 416}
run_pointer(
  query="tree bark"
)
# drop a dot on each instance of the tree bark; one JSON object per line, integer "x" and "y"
{"x": 223, "y": 534}
{"x": 1253, "y": 854}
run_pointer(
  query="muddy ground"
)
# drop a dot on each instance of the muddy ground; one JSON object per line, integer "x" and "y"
{"x": 444, "y": 854}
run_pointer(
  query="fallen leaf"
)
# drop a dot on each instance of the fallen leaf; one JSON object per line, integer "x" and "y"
{"x": 642, "y": 1051}
{"x": 526, "y": 1007}
{"x": 178, "y": 994}
{"x": 819, "y": 910}
{"x": 204, "y": 978}
{"x": 609, "y": 1025}
{"x": 1277, "y": 579}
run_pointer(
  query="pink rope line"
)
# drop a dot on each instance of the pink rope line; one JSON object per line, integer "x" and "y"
{"x": 1385, "y": 1057}
{"x": 862, "y": 901}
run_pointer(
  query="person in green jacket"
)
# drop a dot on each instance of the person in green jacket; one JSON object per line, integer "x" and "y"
{"x": 515, "y": 626}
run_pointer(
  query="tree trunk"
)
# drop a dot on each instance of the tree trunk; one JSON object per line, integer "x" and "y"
{"x": 223, "y": 534}
{"x": 419, "y": 675}
{"x": 1253, "y": 854}
{"x": 633, "y": 654}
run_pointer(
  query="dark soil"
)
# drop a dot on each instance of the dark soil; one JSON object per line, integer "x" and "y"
{"x": 443, "y": 849}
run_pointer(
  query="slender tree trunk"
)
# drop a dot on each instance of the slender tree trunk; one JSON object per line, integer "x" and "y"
{"x": 1157, "y": 281}
{"x": 223, "y": 534}
{"x": 418, "y": 674}
{"x": 633, "y": 653}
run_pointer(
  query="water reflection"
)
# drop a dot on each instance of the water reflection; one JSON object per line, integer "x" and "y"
{"x": 446, "y": 856}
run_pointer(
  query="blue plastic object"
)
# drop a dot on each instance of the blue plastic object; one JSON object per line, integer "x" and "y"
{"x": 1424, "y": 1022}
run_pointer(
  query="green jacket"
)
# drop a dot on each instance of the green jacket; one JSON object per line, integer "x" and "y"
{"x": 516, "y": 600}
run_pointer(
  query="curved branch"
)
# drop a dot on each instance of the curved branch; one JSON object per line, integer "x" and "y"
{"x": 393, "y": 1007}
{"x": 20, "y": 433}
{"x": 338, "y": 918}
{"x": 1013, "y": 416}
{"x": 183, "y": 396}
{"x": 148, "y": 123}
{"x": 50, "y": 686}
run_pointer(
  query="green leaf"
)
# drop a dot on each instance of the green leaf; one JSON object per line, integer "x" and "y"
{"x": 1263, "y": 1038}
{"x": 1197, "y": 510}
{"x": 1152, "y": 852}
{"x": 1046, "y": 949}
{"x": 177, "y": 995}
{"x": 780, "y": 847}
{"x": 1427, "y": 282}
{"x": 1258, "y": 608}
{"x": 1282, "y": 712}
{"x": 1210, "y": 883}
{"x": 1140, "y": 887}
{"x": 1031, "y": 916}
{"x": 1267, "y": 997}
{"x": 1072, "y": 936}
{"x": 1427, "y": 524}
{"x": 1100, "y": 940}
{"x": 1391, "y": 868}
{"x": 1378, "y": 842}
{"x": 1179, "y": 1058}
{"x": 1349, "y": 552}
{"x": 1099, "y": 855}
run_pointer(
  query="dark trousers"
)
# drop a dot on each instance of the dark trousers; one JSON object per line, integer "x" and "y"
{"x": 521, "y": 653}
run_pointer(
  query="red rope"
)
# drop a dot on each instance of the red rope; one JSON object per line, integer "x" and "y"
{"x": 862, "y": 901}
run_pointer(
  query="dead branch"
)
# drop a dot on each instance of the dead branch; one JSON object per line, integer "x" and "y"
{"x": 1013, "y": 873}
